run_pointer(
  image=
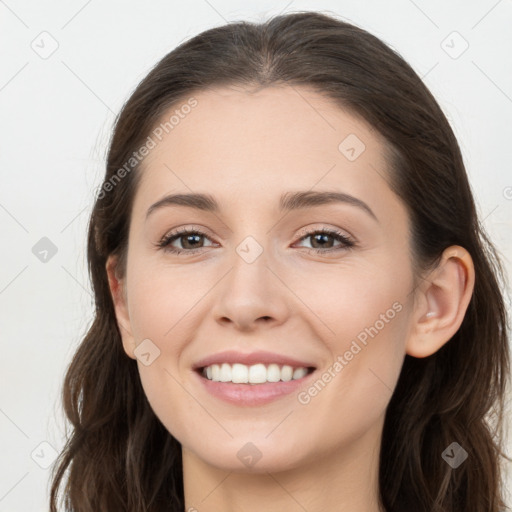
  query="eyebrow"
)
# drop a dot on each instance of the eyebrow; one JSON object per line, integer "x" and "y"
{"x": 288, "y": 201}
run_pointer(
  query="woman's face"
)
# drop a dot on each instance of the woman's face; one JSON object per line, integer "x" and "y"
{"x": 316, "y": 284}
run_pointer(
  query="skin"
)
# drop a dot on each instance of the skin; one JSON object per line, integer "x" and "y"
{"x": 246, "y": 148}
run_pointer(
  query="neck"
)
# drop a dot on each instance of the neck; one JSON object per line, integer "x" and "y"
{"x": 343, "y": 480}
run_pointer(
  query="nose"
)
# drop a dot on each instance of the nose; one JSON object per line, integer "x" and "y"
{"x": 251, "y": 295}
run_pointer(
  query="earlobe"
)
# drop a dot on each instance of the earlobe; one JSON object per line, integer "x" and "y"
{"x": 119, "y": 298}
{"x": 442, "y": 303}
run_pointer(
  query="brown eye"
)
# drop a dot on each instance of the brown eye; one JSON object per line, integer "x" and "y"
{"x": 323, "y": 240}
{"x": 190, "y": 241}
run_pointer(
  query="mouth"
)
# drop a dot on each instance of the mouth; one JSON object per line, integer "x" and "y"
{"x": 252, "y": 379}
{"x": 255, "y": 374}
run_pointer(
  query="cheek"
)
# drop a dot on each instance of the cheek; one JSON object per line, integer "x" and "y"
{"x": 351, "y": 396}
{"x": 161, "y": 301}
{"x": 371, "y": 329}
{"x": 352, "y": 301}
{"x": 367, "y": 313}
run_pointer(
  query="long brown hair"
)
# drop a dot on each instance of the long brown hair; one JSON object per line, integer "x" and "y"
{"x": 120, "y": 457}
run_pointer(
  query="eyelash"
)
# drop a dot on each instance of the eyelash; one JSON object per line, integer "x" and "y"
{"x": 165, "y": 242}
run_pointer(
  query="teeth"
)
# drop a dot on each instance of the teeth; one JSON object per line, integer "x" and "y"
{"x": 273, "y": 373}
{"x": 255, "y": 374}
{"x": 286, "y": 373}
{"x": 225, "y": 373}
{"x": 299, "y": 373}
{"x": 239, "y": 374}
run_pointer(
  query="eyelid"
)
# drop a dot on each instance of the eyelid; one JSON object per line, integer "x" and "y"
{"x": 181, "y": 231}
{"x": 323, "y": 227}
{"x": 186, "y": 229}
{"x": 301, "y": 233}
{"x": 346, "y": 239}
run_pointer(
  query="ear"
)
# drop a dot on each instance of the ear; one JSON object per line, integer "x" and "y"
{"x": 119, "y": 297}
{"x": 441, "y": 302}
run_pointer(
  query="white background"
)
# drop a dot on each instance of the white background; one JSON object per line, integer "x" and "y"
{"x": 56, "y": 116}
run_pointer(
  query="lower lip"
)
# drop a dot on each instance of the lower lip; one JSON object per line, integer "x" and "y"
{"x": 251, "y": 394}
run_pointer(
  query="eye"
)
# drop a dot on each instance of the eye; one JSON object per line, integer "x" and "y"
{"x": 190, "y": 240}
{"x": 320, "y": 238}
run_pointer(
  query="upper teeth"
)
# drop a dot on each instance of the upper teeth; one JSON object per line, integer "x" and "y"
{"x": 255, "y": 374}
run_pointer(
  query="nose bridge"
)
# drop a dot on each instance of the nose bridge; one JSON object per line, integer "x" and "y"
{"x": 250, "y": 290}
{"x": 249, "y": 277}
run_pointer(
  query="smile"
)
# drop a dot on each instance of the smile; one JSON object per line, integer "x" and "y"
{"x": 255, "y": 374}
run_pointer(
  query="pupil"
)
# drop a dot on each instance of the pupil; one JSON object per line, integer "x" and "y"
{"x": 190, "y": 237}
{"x": 321, "y": 237}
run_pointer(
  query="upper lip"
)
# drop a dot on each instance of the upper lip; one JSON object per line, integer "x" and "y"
{"x": 232, "y": 357}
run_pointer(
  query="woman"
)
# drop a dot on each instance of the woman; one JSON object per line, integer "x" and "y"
{"x": 296, "y": 305}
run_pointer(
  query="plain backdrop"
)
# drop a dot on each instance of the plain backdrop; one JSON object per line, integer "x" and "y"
{"x": 67, "y": 68}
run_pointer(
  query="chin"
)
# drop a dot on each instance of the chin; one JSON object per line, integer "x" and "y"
{"x": 242, "y": 456}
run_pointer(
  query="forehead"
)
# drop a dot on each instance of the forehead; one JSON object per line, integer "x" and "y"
{"x": 260, "y": 143}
